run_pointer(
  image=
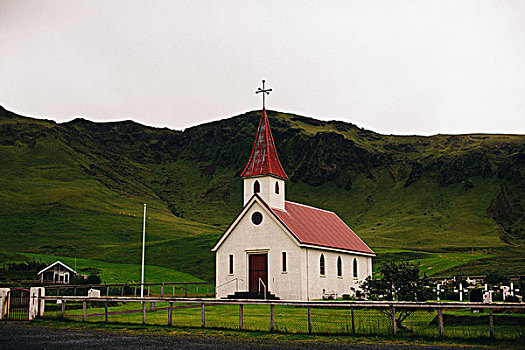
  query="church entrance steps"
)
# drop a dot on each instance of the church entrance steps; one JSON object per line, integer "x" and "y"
{"x": 253, "y": 295}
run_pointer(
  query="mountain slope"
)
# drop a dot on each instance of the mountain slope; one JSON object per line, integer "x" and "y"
{"x": 76, "y": 189}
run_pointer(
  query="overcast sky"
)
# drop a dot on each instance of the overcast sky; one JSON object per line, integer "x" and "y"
{"x": 395, "y": 67}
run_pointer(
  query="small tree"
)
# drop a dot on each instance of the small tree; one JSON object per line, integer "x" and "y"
{"x": 91, "y": 279}
{"x": 494, "y": 278}
{"x": 401, "y": 282}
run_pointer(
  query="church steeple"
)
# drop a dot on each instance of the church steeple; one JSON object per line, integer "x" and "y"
{"x": 264, "y": 159}
{"x": 264, "y": 173}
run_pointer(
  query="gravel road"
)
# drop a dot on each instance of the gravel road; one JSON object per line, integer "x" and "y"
{"x": 21, "y": 336}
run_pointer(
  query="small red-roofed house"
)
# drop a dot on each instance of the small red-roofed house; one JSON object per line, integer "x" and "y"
{"x": 289, "y": 250}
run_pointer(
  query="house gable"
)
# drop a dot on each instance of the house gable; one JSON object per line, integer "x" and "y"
{"x": 57, "y": 263}
{"x": 267, "y": 213}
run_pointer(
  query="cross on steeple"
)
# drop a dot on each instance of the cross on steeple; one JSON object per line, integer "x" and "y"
{"x": 264, "y": 91}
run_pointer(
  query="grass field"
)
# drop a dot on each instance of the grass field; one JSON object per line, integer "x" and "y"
{"x": 78, "y": 190}
{"x": 431, "y": 263}
{"x": 119, "y": 273}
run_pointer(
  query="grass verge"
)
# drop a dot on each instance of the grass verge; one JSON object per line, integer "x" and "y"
{"x": 148, "y": 329}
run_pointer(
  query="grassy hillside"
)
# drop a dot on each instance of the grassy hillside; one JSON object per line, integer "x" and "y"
{"x": 77, "y": 190}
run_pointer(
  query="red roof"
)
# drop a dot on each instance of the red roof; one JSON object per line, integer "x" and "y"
{"x": 264, "y": 159}
{"x": 320, "y": 227}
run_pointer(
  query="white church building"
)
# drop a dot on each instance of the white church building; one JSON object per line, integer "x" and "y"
{"x": 290, "y": 250}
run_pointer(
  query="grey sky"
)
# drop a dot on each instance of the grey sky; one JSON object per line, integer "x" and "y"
{"x": 400, "y": 67}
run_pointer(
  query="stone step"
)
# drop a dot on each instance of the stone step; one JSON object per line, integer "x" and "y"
{"x": 252, "y": 295}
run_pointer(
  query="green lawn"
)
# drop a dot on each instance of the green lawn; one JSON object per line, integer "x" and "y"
{"x": 431, "y": 263}
{"x": 117, "y": 272}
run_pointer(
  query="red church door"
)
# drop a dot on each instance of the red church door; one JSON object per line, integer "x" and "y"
{"x": 258, "y": 269}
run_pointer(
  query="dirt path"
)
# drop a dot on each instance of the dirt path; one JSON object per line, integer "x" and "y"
{"x": 22, "y": 336}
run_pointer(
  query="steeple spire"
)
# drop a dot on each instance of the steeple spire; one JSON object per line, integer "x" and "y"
{"x": 264, "y": 175}
{"x": 264, "y": 159}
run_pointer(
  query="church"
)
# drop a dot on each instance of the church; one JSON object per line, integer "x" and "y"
{"x": 280, "y": 249}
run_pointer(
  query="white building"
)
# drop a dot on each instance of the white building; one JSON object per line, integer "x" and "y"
{"x": 295, "y": 251}
{"x": 57, "y": 272}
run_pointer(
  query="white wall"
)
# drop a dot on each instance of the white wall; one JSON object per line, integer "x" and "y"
{"x": 330, "y": 282}
{"x": 268, "y": 237}
{"x": 3, "y": 302}
{"x": 36, "y": 306}
{"x": 267, "y": 190}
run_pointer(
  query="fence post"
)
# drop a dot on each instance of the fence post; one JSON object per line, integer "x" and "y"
{"x": 207, "y": 289}
{"x": 440, "y": 321}
{"x": 75, "y": 291}
{"x": 173, "y": 290}
{"x": 170, "y": 313}
{"x": 393, "y": 320}
{"x": 106, "y": 311}
{"x": 353, "y": 323}
{"x": 162, "y": 290}
{"x": 143, "y": 312}
{"x": 197, "y": 289}
{"x": 135, "y": 291}
{"x": 240, "y": 316}
{"x": 148, "y": 289}
{"x": 309, "y": 320}
{"x": 107, "y": 291}
{"x": 186, "y": 292}
{"x": 84, "y": 311}
{"x": 63, "y": 308}
{"x": 58, "y": 291}
{"x": 272, "y": 317}
{"x": 122, "y": 291}
{"x": 491, "y": 321}
{"x": 203, "y": 323}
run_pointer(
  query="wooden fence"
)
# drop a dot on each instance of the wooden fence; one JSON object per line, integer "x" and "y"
{"x": 288, "y": 308}
{"x": 195, "y": 289}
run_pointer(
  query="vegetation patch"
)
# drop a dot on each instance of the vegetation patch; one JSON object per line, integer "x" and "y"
{"x": 77, "y": 189}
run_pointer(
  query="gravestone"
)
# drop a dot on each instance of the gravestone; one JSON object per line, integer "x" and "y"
{"x": 94, "y": 293}
{"x": 476, "y": 295}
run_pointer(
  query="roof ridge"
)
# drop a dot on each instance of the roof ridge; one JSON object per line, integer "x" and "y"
{"x": 53, "y": 264}
{"x": 309, "y": 206}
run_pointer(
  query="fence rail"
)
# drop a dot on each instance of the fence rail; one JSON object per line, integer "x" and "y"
{"x": 432, "y": 319}
{"x": 184, "y": 288}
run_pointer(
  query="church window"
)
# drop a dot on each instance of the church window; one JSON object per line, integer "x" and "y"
{"x": 321, "y": 265}
{"x": 355, "y": 268}
{"x": 285, "y": 268}
{"x": 276, "y": 187}
{"x": 339, "y": 267}
{"x": 256, "y": 187}
{"x": 230, "y": 265}
{"x": 257, "y": 218}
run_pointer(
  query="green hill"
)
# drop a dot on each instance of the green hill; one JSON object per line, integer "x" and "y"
{"x": 455, "y": 203}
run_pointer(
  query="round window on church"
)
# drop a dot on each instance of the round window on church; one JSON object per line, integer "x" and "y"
{"x": 257, "y": 218}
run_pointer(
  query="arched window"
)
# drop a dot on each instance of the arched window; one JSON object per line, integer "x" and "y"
{"x": 321, "y": 265}
{"x": 355, "y": 268}
{"x": 256, "y": 187}
{"x": 276, "y": 187}
{"x": 339, "y": 267}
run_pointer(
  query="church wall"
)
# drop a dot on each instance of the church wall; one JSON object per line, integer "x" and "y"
{"x": 268, "y": 237}
{"x": 330, "y": 282}
{"x": 267, "y": 193}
